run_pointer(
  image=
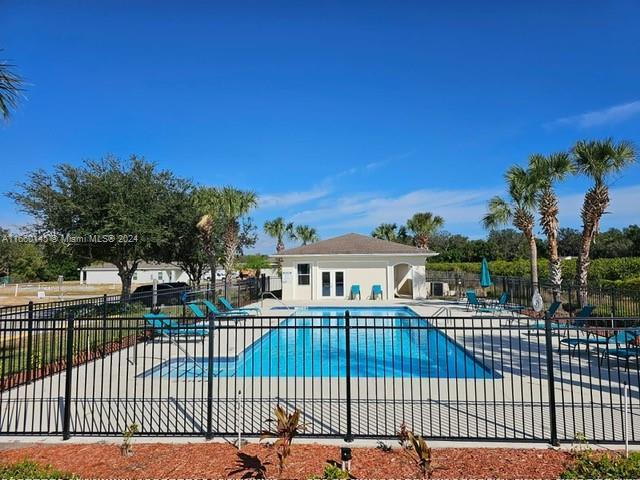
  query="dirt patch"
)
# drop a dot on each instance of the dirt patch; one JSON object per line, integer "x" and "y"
{"x": 218, "y": 460}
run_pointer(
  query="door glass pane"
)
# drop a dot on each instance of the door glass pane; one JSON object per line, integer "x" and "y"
{"x": 326, "y": 284}
{"x": 339, "y": 284}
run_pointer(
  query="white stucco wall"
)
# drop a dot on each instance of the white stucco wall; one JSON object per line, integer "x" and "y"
{"x": 363, "y": 270}
{"x": 110, "y": 276}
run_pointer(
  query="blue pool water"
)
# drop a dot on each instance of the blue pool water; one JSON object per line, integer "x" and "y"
{"x": 384, "y": 342}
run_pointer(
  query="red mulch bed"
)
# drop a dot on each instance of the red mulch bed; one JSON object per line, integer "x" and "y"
{"x": 218, "y": 460}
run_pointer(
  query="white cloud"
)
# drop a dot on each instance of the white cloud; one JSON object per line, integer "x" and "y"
{"x": 614, "y": 114}
{"x": 365, "y": 211}
{"x": 623, "y": 210}
{"x": 282, "y": 200}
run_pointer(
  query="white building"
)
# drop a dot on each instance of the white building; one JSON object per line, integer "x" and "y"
{"x": 107, "y": 273}
{"x": 328, "y": 269}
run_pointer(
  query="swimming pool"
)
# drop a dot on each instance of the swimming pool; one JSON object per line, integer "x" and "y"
{"x": 385, "y": 342}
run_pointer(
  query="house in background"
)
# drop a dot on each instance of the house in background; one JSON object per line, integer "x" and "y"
{"x": 107, "y": 273}
{"x": 327, "y": 269}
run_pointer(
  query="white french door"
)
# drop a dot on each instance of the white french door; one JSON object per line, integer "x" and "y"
{"x": 332, "y": 284}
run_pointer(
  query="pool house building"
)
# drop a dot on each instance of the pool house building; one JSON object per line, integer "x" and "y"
{"x": 340, "y": 267}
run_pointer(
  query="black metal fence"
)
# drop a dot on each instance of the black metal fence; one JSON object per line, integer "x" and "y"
{"x": 609, "y": 301}
{"x": 462, "y": 377}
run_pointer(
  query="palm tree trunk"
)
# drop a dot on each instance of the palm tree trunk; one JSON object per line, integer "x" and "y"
{"x": 555, "y": 266}
{"x": 582, "y": 270}
{"x": 595, "y": 205}
{"x": 533, "y": 251}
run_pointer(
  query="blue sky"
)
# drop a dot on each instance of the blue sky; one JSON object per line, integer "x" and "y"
{"x": 340, "y": 115}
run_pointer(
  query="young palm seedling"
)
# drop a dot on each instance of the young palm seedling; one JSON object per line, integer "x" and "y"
{"x": 127, "y": 437}
{"x": 421, "y": 454}
{"x": 287, "y": 426}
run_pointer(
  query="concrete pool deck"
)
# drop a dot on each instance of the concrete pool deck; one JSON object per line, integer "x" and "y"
{"x": 110, "y": 393}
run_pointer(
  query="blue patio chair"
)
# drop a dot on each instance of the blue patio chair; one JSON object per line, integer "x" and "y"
{"x": 168, "y": 326}
{"x": 478, "y": 306}
{"x": 355, "y": 290}
{"x": 553, "y": 309}
{"x": 580, "y": 320}
{"x": 375, "y": 291}
{"x": 230, "y": 308}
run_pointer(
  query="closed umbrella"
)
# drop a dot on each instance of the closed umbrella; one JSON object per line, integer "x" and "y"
{"x": 485, "y": 276}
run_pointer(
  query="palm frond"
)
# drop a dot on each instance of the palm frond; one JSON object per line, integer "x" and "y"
{"x": 498, "y": 213}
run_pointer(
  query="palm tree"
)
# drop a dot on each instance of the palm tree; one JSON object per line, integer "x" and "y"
{"x": 519, "y": 210}
{"x": 278, "y": 229}
{"x": 386, "y": 231}
{"x": 234, "y": 204}
{"x": 10, "y": 89}
{"x": 597, "y": 160}
{"x": 305, "y": 234}
{"x": 206, "y": 202}
{"x": 424, "y": 225}
{"x": 230, "y": 205}
{"x": 547, "y": 170}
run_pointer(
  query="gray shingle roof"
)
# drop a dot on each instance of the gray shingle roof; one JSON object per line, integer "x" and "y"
{"x": 355, "y": 244}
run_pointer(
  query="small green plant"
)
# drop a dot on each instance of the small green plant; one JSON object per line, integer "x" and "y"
{"x": 127, "y": 438}
{"x": 385, "y": 447}
{"x": 287, "y": 426}
{"x": 332, "y": 472}
{"x": 30, "y": 469}
{"x": 587, "y": 463}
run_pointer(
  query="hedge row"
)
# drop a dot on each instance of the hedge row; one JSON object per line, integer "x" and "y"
{"x": 615, "y": 271}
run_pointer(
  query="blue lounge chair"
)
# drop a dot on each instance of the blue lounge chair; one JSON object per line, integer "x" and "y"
{"x": 168, "y": 326}
{"x": 626, "y": 352}
{"x": 355, "y": 290}
{"x": 230, "y": 308}
{"x": 623, "y": 337}
{"x": 218, "y": 313}
{"x": 197, "y": 311}
{"x": 375, "y": 291}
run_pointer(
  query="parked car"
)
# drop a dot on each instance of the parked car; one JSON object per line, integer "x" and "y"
{"x": 169, "y": 293}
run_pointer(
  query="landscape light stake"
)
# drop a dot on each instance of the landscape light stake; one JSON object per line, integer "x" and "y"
{"x": 345, "y": 456}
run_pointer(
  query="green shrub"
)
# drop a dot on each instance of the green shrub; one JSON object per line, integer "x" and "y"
{"x": 30, "y": 469}
{"x": 332, "y": 472}
{"x": 590, "y": 464}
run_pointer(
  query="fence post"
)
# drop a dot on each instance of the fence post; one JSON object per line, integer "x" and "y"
{"x": 209, "y": 435}
{"x": 613, "y": 302}
{"x": 66, "y": 421}
{"x": 104, "y": 324}
{"x": 30, "y": 342}
{"x": 347, "y": 342}
{"x": 551, "y": 381}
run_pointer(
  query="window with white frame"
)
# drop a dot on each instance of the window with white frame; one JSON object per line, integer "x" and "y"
{"x": 304, "y": 274}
